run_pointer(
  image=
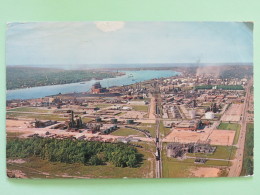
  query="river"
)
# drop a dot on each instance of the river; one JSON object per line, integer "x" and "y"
{"x": 130, "y": 77}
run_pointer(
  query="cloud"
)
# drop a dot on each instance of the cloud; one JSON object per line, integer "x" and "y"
{"x": 109, "y": 26}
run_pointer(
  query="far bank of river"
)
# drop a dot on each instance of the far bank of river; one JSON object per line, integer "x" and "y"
{"x": 130, "y": 77}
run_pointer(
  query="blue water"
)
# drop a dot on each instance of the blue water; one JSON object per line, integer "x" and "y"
{"x": 38, "y": 92}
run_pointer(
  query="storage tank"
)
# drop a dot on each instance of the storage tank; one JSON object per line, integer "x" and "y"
{"x": 209, "y": 115}
{"x": 130, "y": 121}
{"x": 192, "y": 114}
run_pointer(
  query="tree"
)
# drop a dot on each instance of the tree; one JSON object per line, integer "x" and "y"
{"x": 94, "y": 160}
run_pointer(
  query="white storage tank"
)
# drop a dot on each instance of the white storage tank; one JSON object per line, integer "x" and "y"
{"x": 192, "y": 114}
{"x": 209, "y": 115}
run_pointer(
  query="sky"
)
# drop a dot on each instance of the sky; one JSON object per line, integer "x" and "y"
{"x": 88, "y": 43}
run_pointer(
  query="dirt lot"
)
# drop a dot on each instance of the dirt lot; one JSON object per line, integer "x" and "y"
{"x": 233, "y": 113}
{"x": 17, "y": 161}
{"x": 146, "y": 121}
{"x": 205, "y": 172}
{"x": 222, "y": 137}
{"x": 185, "y": 136}
{"x": 217, "y": 137}
{"x": 134, "y": 114}
{"x": 13, "y": 126}
{"x": 16, "y": 123}
{"x": 152, "y": 109}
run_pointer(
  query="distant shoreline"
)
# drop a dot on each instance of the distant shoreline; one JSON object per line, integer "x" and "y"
{"x": 42, "y": 91}
{"x": 103, "y": 70}
{"x": 58, "y": 77}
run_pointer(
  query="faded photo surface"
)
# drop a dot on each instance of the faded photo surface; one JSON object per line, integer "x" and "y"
{"x": 118, "y": 99}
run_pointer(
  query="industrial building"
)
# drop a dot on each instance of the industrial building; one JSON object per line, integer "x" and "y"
{"x": 97, "y": 88}
{"x": 42, "y": 123}
{"x": 176, "y": 149}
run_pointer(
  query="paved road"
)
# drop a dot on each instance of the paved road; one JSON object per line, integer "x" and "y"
{"x": 236, "y": 167}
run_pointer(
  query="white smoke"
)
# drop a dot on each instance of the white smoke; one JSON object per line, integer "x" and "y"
{"x": 208, "y": 70}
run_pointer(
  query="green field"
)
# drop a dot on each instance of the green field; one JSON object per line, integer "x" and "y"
{"x": 13, "y": 134}
{"x": 35, "y": 116}
{"x": 87, "y": 120}
{"x": 35, "y": 167}
{"x": 231, "y": 126}
{"x": 222, "y": 152}
{"x": 176, "y": 169}
{"x": 127, "y": 132}
{"x": 248, "y": 158}
{"x": 173, "y": 167}
{"x": 141, "y": 108}
{"x": 150, "y": 127}
{"x": 29, "y": 109}
{"x": 22, "y": 77}
{"x": 164, "y": 130}
{"x": 148, "y": 146}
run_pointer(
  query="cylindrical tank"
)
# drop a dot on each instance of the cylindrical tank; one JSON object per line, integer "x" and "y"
{"x": 209, "y": 115}
{"x": 192, "y": 114}
{"x": 98, "y": 119}
{"x": 130, "y": 121}
{"x": 113, "y": 120}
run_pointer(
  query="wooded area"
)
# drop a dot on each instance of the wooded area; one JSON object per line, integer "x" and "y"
{"x": 22, "y": 77}
{"x": 74, "y": 151}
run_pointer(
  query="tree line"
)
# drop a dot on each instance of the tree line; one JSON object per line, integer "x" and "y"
{"x": 22, "y": 77}
{"x": 74, "y": 151}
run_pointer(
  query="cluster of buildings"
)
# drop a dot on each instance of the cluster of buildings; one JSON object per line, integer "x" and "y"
{"x": 178, "y": 150}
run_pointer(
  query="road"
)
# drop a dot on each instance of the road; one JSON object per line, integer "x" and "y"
{"x": 236, "y": 167}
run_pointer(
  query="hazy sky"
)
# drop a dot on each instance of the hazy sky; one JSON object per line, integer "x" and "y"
{"x": 61, "y": 43}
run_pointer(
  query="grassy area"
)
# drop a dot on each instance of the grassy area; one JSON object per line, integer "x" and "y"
{"x": 150, "y": 127}
{"x": 163, "y": 130}
{"x": 217, "y": 163}
{"x": 35, "y": 116}
{"x": 29, "y": 109}
{"x": 141, "y": 108}
{"x": 23, "y": 77}
{"x": 127, "y": 132}
{"x": 13, "y": 134}
{"x": 222, "y": 152}
{"x": 231, "y": 126}
{"x": 248, "y": 158}
{"x": 103, "y": 105}
{"x": 148, "y": 146}
{"x": 173, "y": 167}
{"x": 176, "y": 169}
{"x": 37, "y": 168}
{"x": 86, "y": 120}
